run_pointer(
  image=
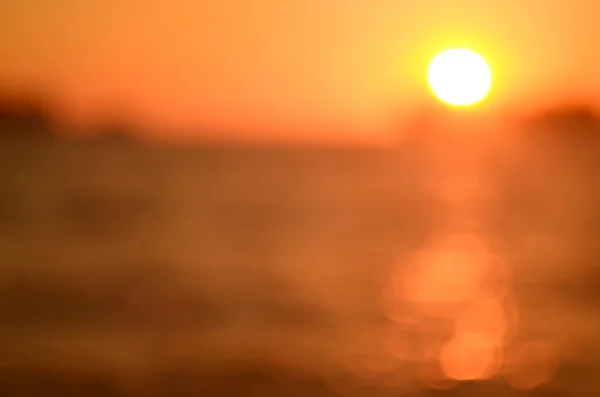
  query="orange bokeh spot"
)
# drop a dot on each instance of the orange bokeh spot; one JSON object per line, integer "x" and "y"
{"x": 469, "y": 357}
{"x": 454, "y": 285}
{"x": 531, "y": 365}
{"x": 484, "y": 317}
{"x": 448, "y": 275}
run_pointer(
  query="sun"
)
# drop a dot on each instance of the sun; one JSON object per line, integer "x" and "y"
{"x": 459, "y": 77}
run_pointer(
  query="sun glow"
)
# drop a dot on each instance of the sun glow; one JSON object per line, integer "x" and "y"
{"x": 459, "y": 77}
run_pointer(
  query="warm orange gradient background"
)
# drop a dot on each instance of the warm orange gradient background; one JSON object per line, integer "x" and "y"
{"x": 246, "y": 64}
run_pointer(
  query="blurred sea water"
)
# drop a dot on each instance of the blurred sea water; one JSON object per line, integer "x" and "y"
{"x": 131, "y": 269}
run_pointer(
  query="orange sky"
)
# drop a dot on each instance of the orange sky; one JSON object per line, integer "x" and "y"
{"x": 278, "y": 63}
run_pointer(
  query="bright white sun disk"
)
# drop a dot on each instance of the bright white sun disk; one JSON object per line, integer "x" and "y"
{"x": 459, "y": 77}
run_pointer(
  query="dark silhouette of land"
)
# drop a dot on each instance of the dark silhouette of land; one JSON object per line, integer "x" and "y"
{"x": 30, "y": 117}
{"x": 23, "y": 116}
